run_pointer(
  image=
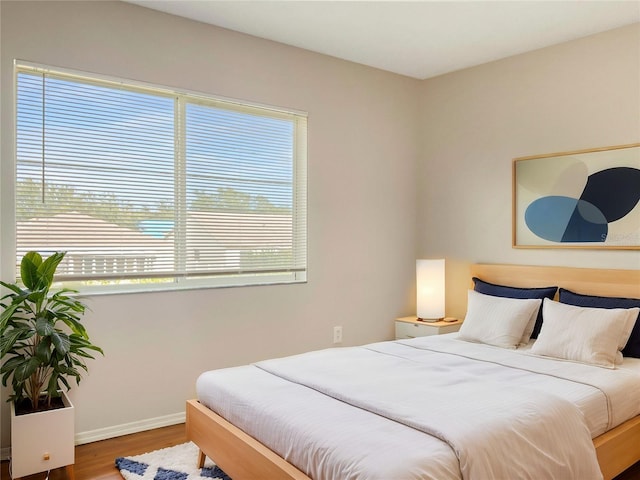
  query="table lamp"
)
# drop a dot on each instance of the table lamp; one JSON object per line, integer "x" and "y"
{"x": 430, "y": 290}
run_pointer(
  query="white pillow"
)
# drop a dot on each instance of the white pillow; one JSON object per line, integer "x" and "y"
{"x": 497, "y": 321}
{"x": 528, "y": 330}
{"x": 583, "y": 334}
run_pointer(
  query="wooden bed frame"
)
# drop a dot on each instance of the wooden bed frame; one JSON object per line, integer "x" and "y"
{"x": 243, "y": 457}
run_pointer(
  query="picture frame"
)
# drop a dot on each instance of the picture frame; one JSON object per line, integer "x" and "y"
{"x": 578, "y": 199}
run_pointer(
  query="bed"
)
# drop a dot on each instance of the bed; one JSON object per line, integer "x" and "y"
{"x": 616, "y": 440}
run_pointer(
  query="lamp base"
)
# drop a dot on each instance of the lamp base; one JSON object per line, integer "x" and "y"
{"x": 429, "y": 320}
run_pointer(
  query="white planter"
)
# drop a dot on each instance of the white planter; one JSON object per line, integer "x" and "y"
{"x": 42, "y": 441}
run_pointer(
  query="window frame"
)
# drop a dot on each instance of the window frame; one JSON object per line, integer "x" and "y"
{"x": 182, "y": 97}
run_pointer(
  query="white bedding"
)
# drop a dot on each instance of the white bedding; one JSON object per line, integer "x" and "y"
{"x": 330, "y": 439}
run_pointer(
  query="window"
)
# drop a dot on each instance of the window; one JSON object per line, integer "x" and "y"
{"x": 149, "y": 188}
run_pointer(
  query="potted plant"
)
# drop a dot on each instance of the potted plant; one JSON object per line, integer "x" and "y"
{"x": 42, "y": 344}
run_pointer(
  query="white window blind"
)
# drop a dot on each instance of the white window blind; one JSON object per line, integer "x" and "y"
{"x": 149, "y": 187}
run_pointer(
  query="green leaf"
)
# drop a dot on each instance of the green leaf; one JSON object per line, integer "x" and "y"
{"x": 74, "y": 303}
{"x": 37, "y": 297}
{"x": 52, "y": 387}
{"x": 60, "y": 342}
{"x": 17, "y": 392}
{"x": 18, "y": 299}
{"x": 79, "y": 363}
{"x": 13, "y": 287}
{"x": 11, "y": 364}
{"x": 29, "y": 269}
{"x": 78, "y": 344}
{"x": 71, "y": 371}
{"x": 34, "y": 257}
{"x": 66, "y": 384}
{"x": 66, "y": 290}
{"x": 25, "y": 369}
{"x": 5, "y": 377}
{"x": 43, "y": 350}
{"x": 75, "y": 326}
{"x": 8, "y": 340}
{"x": 47, "y": 269}
{"x": 44, "y": 327}
{"x": 6, "y": 316}
{"x": 84, "y": 354}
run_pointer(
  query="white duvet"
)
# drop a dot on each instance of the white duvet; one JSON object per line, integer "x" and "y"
{"x": 432, "y": 407}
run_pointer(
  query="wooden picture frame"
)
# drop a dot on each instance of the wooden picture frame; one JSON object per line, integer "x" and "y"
{"x": 579, "y": 199}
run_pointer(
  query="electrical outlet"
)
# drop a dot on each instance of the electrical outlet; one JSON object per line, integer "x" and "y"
{"x": 337, "y": 334}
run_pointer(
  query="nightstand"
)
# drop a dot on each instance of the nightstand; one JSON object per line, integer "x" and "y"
{"x": 411, "y": 327}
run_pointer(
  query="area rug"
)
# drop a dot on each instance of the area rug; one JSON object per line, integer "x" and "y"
{"x": 173, "y": 463}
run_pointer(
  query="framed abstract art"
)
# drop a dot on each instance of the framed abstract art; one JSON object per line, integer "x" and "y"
{"x": 580, "y": 199}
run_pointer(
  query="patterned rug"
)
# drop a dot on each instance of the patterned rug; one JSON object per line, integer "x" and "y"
{"x": 173, "y": 463}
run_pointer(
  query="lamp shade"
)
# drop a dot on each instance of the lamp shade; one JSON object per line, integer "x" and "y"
{"x": 430, "y": 289}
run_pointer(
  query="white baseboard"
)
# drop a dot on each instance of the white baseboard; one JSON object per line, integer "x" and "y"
{"x": 127, "y": 428}
{"x": 117, "y": 430}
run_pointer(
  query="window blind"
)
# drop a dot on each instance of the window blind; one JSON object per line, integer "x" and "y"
{"x": 148, "y": 186}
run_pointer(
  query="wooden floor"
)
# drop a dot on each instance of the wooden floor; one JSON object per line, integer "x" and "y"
{"x": 96, "y": 460}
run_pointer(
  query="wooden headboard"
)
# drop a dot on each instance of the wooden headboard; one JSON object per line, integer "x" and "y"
{"x": 589, "y": 281}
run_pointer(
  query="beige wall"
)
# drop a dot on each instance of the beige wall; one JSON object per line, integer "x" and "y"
{"x": 363, "y": 150}
{"x": 578, "y": 95}
{"x": 371, "y": 135}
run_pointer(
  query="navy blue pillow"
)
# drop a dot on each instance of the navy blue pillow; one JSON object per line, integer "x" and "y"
{"x": 516, "y": 292}
{"x": 632, "y": 349}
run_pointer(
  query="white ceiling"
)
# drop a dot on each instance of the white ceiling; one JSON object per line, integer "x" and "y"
{"x": 419, "y": 39}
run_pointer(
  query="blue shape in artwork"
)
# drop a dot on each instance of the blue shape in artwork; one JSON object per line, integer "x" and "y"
{"x": 164, "y": 474}
{"x": 614, "y": 191}
{"x": 548, "y": 217}
{"x": 608, "y": 196}
{"x": 134, "y": 467}
{"x": 587, "y": 224}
